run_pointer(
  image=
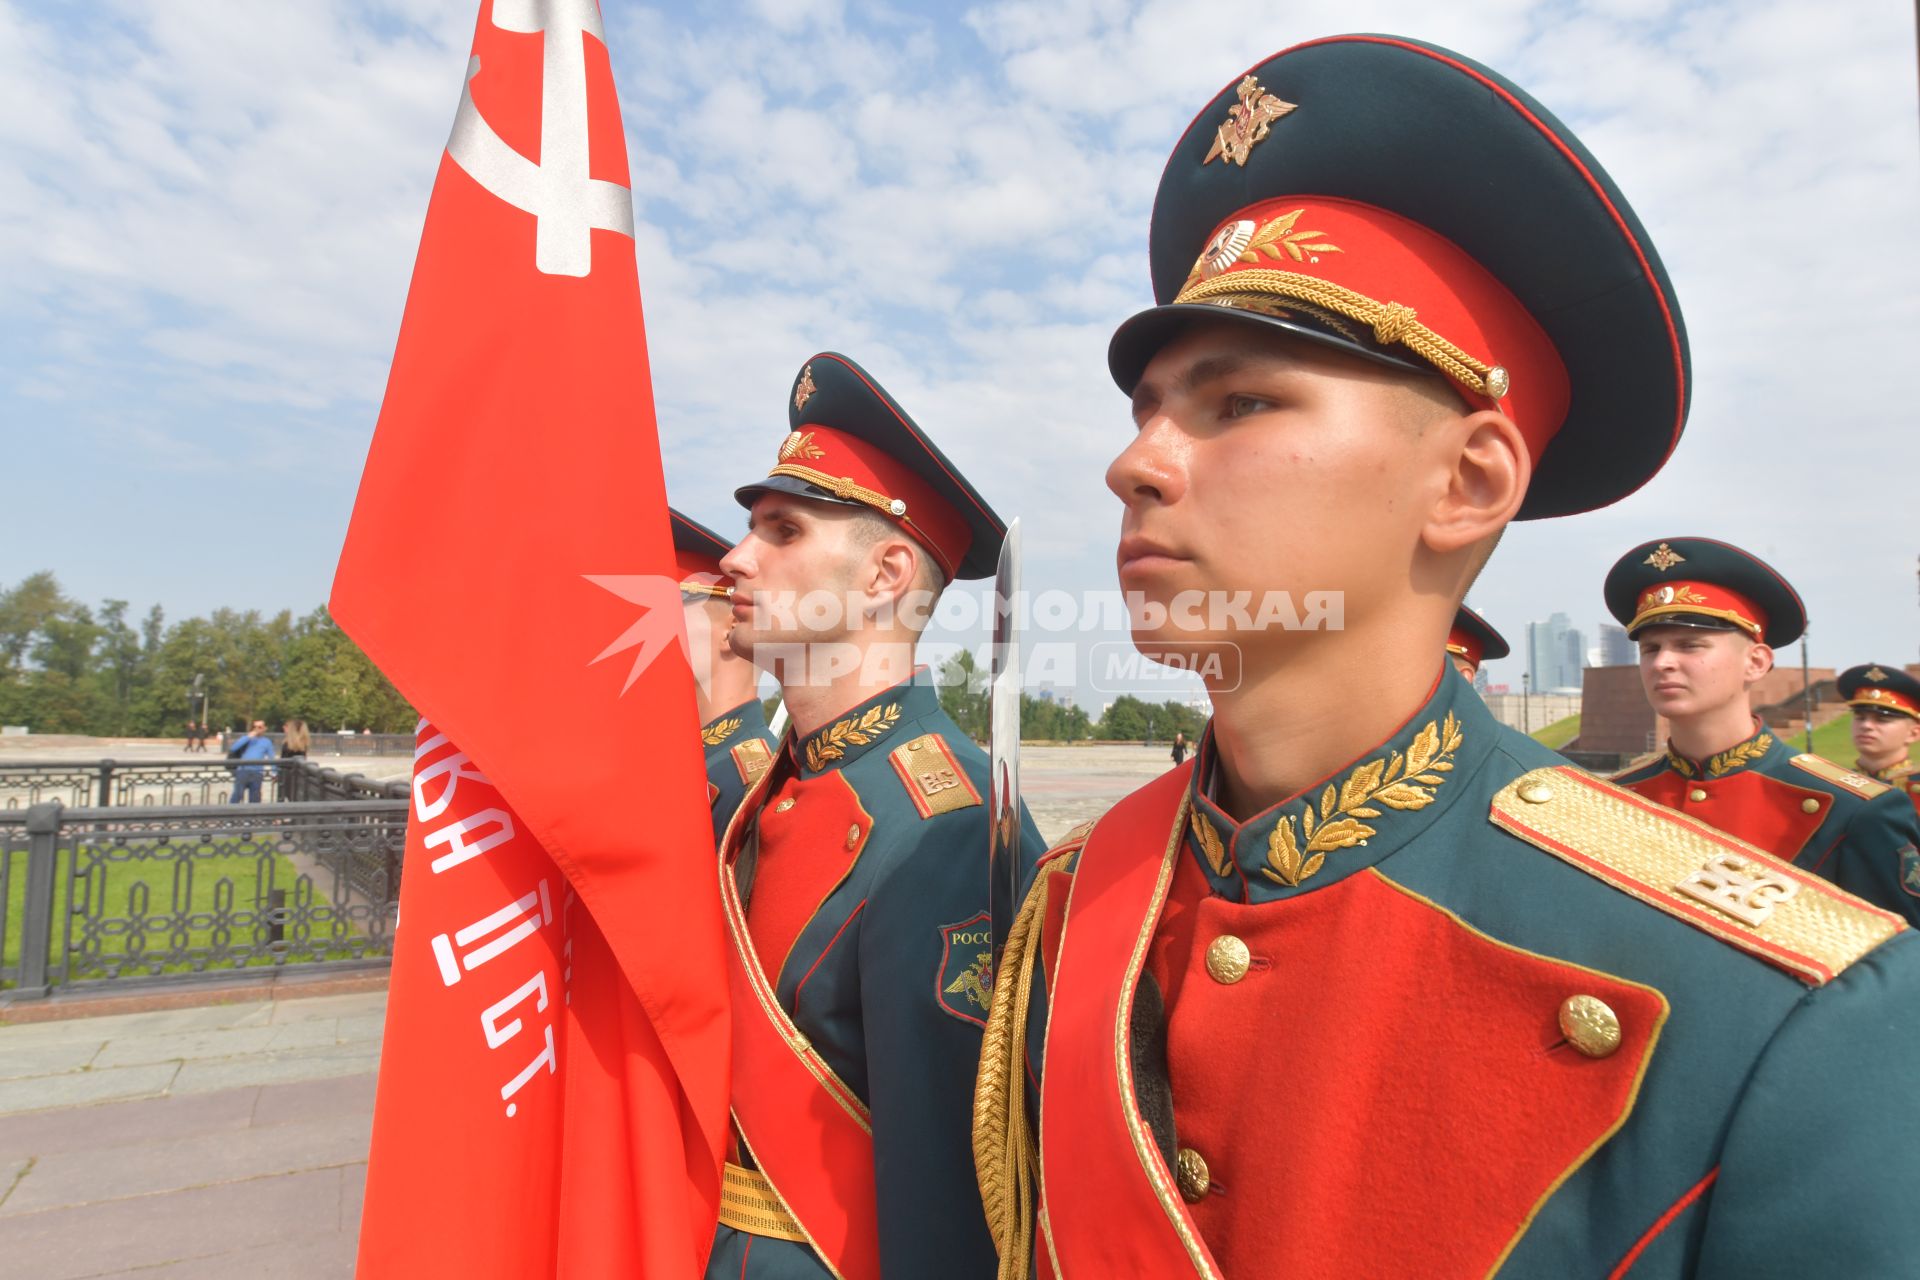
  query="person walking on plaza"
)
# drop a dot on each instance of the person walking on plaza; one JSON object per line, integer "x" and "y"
{"x": 1886, "y": 723}
{"x": 733, "y": 725}
{"x": 295, "y": 740}
{"x": 256, "y": 745}
{"x": 1375, "y": 985}
{"x": 1707, "y": 618}
{"x": 854, "y": 875}
{"x": 1179, "y": 749}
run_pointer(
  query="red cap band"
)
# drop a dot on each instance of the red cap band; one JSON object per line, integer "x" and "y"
{"x": 1707, "y": 598}
{"x": 853, "y": 470}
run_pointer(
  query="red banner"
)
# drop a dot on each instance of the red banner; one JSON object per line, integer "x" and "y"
{"x": 553, "y": 1094}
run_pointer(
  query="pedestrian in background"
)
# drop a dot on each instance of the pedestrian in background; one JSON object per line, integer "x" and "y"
{"x": 1179, "y": 749}
{"x": 296, "y": 740}
{"x": 247, "y": 778}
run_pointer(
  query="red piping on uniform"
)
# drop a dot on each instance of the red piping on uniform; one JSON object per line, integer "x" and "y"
{"x": 1679, "y": 1207}
{"x": 824, "y": 950}
{"x": 744, "y": 1255}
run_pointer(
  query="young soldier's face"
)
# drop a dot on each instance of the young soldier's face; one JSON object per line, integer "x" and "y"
{"x": 1273, "y": 471}
{"x": 1689, "y": 671}
{"x": 792, "y": 576}
{"x": 1882, "y": 737}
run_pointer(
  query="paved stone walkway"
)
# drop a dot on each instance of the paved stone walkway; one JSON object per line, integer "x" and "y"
{"x": 224, "y": 1141}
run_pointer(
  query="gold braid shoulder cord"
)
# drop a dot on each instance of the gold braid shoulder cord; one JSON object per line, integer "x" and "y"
{"x": 1004, "y": 1158}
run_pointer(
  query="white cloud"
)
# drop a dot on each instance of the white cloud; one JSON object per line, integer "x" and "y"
{"x": 208, "y": 213}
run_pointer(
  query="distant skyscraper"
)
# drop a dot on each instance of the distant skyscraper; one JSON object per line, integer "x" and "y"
{"x": 1555, "y": 655}
{"x": 1615, "y": 649}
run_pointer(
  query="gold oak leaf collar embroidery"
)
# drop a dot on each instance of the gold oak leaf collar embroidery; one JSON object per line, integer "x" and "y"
{"x": 719, "y": 731}
{"x": 1345, "y": 814}
{"x": 1403, "y": 782}
{"x": 1718, "y": 766}
{"x": 868, "y": 727}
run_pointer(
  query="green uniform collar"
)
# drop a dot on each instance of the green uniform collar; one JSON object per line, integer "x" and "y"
{"x": 1742, "y": 756}
{"x": 1353, "y": 819}
{"x": 863, "y": 728}
{"x": 735, "y": 724}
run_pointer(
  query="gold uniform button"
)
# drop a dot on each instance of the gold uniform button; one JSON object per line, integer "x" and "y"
{"x": 1228, "y": 959}
{"x": 1697, "y": 794}
{"x": 1590, "y": 1025}
{"x": 784, "y": 805}
{"x": 1809, "y": 805}
{"x": 1190, "y": 1171}
{"x": 1536, "y": 793}
{"x": 853, "y": 835}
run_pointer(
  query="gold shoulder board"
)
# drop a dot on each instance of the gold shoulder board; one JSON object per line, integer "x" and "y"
{"x": 752, "y": 759}
{"x": 1836, "y": 775}
{"x": 1700, "y": 874}
{"x": 934, "y": 780}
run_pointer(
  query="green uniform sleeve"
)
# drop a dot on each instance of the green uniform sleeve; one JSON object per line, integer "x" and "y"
{"x": 1822, "y": 1155}
{"x": 1878, "y": 858}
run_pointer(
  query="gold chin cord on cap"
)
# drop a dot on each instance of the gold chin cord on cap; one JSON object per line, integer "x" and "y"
{"x": 845, "y": 488}
{"x": 691, "y": 588}
{"x": 1391, "y": 322}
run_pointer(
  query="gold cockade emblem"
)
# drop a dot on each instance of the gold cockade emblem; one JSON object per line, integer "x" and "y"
{"x": 1238, "y": 241}
{"x": 1401, "y": 782}
{"x": 1664, "y": 557}
{"x": 803, "y": 390}
{"x": 1247, "y": 122}
{"x": 799, "y": 444}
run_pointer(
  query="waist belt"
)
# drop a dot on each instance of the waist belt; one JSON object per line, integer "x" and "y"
{"x": 749, "y": 1203}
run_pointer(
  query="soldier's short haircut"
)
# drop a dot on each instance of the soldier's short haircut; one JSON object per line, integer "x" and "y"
{"x": 870, "y": 528}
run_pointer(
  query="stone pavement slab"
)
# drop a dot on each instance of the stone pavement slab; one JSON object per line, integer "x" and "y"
{"x": 244, "y": 1154}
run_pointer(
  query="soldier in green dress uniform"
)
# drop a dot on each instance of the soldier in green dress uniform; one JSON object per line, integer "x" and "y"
{"x": 1886, "y": 723}
{"x": 1375, "y": 986}
{"x": 855, "y": 874}
{"x": 733, "y": 723}
{"x": 1707, "y": 618}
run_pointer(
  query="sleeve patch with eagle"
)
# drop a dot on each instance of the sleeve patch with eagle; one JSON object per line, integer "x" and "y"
{"x": 964, "y": 984}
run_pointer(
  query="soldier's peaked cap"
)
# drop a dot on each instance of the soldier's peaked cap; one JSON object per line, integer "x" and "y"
{"x": 1473, "y": 638}
{"x": 1403, "y": 203}
{"x": 696, "y": 554}
{"x": 850, "y": 442}
{"x": 1882, "y": 685}
{"x": 1698, "y": 582}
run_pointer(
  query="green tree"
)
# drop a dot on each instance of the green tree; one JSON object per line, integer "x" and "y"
{"x": 963, "y": 694}
{"x": 1052, "y": 721}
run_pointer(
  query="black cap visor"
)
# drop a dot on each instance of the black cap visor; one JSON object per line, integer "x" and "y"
{"x": 1140, "y": 338}
{"x": 747, "y": 494}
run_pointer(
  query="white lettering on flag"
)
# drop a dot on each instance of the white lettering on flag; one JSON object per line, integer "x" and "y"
{"x": 566, "y": 203}
{"x": 455, "y": 768}
{"x": 455, "y": 834}
{"x": 498, "y": 1035}
{"x": 512, "y": 923}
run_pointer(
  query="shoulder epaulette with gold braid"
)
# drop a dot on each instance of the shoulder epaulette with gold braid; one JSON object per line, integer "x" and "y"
{"x": 934, "y": 780}
{"x": 1839, "y": 776}
{"x": 1698, "y": 873}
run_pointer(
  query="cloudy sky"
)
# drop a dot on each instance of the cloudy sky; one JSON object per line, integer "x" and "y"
{"x": 208, "y": 214}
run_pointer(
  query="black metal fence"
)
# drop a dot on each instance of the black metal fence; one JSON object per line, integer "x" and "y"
{"x": 337, "y": 744}
{"x": 112, "y": 783}
{"x": 106, "y": 894}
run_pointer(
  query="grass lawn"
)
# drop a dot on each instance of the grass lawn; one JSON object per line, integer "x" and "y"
{"x": 1559, "y": 733}
{"x": 151, "y": 905}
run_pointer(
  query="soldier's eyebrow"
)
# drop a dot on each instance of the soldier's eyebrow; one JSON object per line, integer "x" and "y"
{"x": 1148, "y": 397}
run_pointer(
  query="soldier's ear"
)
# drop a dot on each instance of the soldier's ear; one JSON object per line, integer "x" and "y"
{"x": 893, "y": 567}
{"x": 1486, "y": 468}
{"x": 1759, "y": 660}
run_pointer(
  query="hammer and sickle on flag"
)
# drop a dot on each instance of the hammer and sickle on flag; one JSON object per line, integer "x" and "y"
{"x": 567, "y": 204}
